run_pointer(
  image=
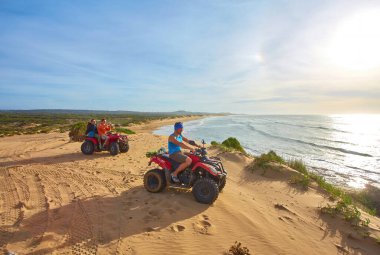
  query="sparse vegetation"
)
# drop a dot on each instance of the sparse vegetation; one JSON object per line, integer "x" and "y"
{"x": 369, "y": 198}
{"x": 229, "y": 145}
{"x": 297, "y": 165}
{"x": 349, "y": 212}
{"x": 238, "y": 249}
{"x": 45, "y": 121}
{"x": 301, "y": 179}
{"x": 347, "y": 202}
{"x": 264, "y": 159}
{"x": 124, "y": 131}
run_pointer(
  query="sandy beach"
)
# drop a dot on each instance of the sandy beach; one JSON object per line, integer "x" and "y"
{"x": 55, "y": 200}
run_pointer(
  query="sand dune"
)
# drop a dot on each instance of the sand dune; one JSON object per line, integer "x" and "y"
{"x": 54, "y": 200}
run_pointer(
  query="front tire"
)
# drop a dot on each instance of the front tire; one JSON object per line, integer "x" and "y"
{"x": 114, "y": 149}
{"x": 124, "y": 147}
{"x": 205, "y": 191}
{"x": 87, "y": 148}
{"x": 154, "y": 180}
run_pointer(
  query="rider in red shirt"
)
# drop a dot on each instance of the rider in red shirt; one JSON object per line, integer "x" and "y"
{"x": 103, "y": 128}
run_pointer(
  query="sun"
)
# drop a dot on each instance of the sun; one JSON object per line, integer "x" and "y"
{"x": 356, "y": 42}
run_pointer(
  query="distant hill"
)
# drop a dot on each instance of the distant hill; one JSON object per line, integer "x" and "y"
{"x": 88, "y": 112}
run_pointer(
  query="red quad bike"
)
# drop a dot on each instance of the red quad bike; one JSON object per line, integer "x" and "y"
{"x": 116, "y": 143}
{"x": 206, "y": 175}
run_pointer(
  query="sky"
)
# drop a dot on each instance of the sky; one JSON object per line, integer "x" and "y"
{"x": 258, "y": 57}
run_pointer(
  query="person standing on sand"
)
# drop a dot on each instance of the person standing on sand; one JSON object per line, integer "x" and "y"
{"x": 175, "y": 143}
{"x": 103, "y": 128}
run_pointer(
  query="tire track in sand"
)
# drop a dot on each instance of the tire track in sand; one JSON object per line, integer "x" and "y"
{"x": 10, "y": 212}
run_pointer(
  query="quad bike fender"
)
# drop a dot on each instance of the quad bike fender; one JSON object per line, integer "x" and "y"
{"x": 159, "y": 162}
{"x": 205, "y": 167}
{"x": 92, "y": 139}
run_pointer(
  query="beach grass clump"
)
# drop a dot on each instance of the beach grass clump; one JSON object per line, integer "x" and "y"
{"x": 264, "y": 159}
{"x": 77, "y": 131}
{"x": 369, "y": 198}
{"x": 334, "y": 191}
{"x": 301, "y": 179}
{"x": 349, "y": 212}
{"x": 231, "y": 144}
{"x": 124, "y": 131}
{"x": 298, "y": 165}
{"x": 238, "y": 249}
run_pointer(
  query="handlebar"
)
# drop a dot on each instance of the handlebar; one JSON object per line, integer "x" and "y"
{"x": 201, "y": 152}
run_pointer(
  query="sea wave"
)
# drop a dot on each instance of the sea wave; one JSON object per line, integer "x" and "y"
{"x": 310, "y": 143}
{"x": 314, "y": 127}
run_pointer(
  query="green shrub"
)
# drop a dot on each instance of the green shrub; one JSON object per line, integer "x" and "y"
{"x": 234, "y": 144}
{"x": 297, "y": 165}
{"x": 229, "y": 145}
{"x": 77, "y": 131}
{"x": 214, "y": 143}
{"x": 301, "y": 179}
{"x": 265, "y": 158}
{"x": 349, "y": 212}
{"x": 368, "y": 198}
{"x": 124, "y": 130}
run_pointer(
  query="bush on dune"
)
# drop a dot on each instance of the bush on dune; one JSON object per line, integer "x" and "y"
{"x": 229, "y": 145}
{"x": 271, "y": 157}
{"x": 77, "y": 131}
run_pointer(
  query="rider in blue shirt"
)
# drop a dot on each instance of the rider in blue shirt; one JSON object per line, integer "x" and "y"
{"x": 175, "y": 143}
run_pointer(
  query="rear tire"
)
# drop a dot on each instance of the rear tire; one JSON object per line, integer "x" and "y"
{"x": 124, "y": 147}
{"x": 205, "y": 191}
{"x": 87, "y": 148}
{"x": 154, "y": 180}
{"x": 114, "y": 148}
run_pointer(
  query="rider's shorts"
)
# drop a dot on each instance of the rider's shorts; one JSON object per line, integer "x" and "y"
{"x": 178, "y": 156}
{"x": 104, "y": 137}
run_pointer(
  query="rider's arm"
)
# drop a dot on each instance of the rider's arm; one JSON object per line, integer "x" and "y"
{"x": 182, "y": 145}
{"x": 191, "y": 142}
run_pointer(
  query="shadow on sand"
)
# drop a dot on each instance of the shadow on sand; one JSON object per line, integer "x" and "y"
{"x": 84, "y": 225}
{"x": 56, "y": 159}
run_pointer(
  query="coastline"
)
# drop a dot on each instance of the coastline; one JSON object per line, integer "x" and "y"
{"x": 151, "y": 126}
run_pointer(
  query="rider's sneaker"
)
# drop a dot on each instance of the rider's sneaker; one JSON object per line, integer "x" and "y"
{"x": 175, "y": 179}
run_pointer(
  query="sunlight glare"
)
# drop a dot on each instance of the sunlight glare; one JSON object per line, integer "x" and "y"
{"x": 356, "y": 44}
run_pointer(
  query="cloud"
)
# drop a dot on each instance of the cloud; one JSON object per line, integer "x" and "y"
{"x": 238, "y": 56}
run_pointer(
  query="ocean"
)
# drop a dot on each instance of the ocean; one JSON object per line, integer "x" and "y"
{"x": 345, "y": 149}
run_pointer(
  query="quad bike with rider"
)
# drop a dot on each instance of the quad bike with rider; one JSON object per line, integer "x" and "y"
{"x": 116, "y": 144}
{"x": 206, "y": 175}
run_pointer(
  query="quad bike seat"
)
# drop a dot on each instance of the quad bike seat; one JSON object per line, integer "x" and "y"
{"x": 174, "y": 163}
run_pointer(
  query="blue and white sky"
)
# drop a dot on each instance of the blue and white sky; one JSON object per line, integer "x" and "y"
{"x": 259, "y": 57}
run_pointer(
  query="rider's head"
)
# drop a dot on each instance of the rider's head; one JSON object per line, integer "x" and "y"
{"x": 93, "y": 121}
{"x": 103, "y": 121}
{"x": 178, "y": 127}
